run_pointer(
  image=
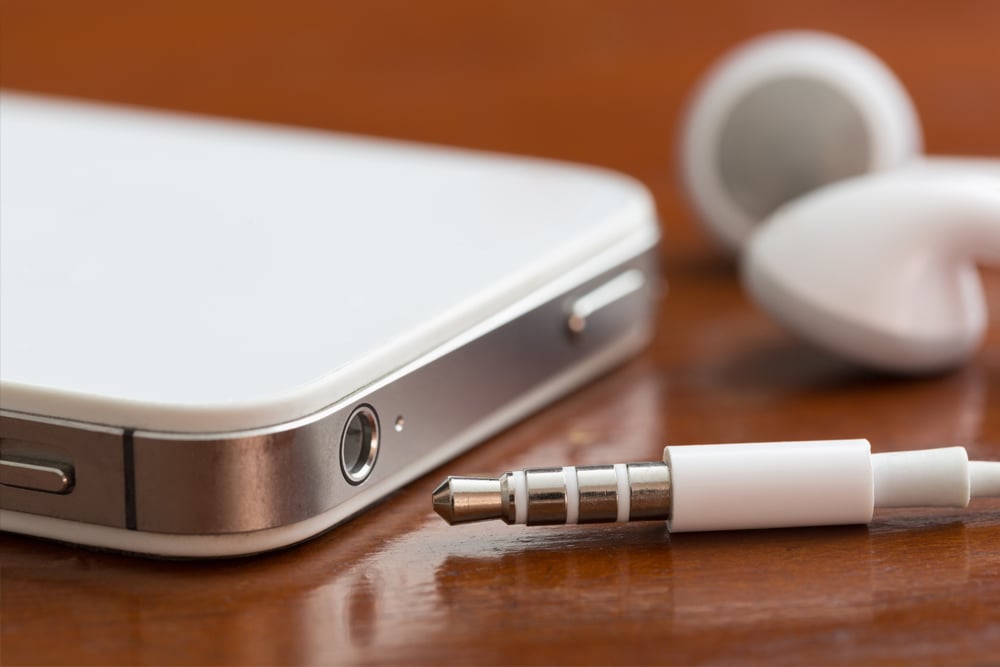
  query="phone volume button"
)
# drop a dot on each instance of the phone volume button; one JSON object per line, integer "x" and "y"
{"x": 36, "y": 475}
{"x": 606, "y": 294}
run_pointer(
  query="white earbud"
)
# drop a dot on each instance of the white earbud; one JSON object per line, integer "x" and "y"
{"x": 782, "y": 115}
{"x": 881, "y": 268}
{"x": 878, "y": 268}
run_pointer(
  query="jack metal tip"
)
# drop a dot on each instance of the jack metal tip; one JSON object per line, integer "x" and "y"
{"x": 442, "y": 500}
{"x": 464, "y": 499}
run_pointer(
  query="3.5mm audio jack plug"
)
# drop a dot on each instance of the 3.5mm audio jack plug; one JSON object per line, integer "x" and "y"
{"x": 727, "y": 487}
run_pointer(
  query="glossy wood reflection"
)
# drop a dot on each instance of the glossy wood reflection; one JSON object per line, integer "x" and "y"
{"x": 599, "y": 82}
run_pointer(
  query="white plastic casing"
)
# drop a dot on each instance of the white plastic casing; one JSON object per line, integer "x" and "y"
{"x": 770, "y": 484}
{"x": 814, "y": 483}
{"x": 931, "y": 477}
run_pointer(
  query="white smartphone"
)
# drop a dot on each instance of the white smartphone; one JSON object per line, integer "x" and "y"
{"x": 220, "y": 337}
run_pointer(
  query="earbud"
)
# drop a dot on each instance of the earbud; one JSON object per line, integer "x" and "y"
{"x": 775, "y": 149}
{"x": 782, "y": 115}
{"x": 881, "y": 268}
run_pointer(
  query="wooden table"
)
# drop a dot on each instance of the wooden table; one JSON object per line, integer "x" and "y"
{"x": 594, "y": 82}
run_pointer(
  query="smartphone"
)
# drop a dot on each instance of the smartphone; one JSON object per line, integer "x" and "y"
{"x": 219, "y": 338}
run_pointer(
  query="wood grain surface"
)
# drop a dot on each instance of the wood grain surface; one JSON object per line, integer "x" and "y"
{"x": 597, "y": 82}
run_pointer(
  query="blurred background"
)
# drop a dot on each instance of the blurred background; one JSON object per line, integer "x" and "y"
{"x": 601, "y": 82}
